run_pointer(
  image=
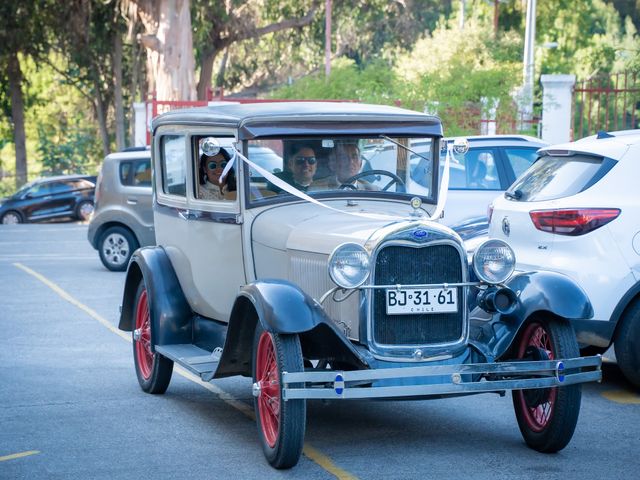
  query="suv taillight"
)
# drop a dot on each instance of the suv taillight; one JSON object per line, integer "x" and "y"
{"x": 573, "y": 221}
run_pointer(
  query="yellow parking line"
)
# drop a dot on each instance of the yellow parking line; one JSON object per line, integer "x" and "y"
{"x": 622, "y": 396}
{"x": 13, "y": 456}
{"x": 309, "y": 451}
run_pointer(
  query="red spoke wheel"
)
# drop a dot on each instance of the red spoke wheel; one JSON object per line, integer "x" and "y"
{"x": 281, "y": 424}
{"x": 152, "y": 369}
{"x": 547, "y": 417}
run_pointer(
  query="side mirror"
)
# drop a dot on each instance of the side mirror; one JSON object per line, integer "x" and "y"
{"x": 210, "y": 146}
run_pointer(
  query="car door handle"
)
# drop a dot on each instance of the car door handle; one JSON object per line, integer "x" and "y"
{"x": 132, "y": 200}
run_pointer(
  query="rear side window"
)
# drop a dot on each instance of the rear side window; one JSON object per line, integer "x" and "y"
{"x": 520, "y": 158}
{"x": 173, "y": 162}
{"x": 554, "y": 177}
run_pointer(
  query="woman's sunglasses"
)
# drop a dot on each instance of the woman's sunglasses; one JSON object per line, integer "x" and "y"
{"x": 214, "y": 165}
{"x": 309, "y": 160}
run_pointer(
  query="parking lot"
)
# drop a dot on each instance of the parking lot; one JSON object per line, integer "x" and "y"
{"x": 71, "y": 407}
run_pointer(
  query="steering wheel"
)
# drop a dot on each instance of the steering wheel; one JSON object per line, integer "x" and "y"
{"x": 348, "y": 183}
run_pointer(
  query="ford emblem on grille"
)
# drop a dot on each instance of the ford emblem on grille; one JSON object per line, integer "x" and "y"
{"x": 420, "y": 233}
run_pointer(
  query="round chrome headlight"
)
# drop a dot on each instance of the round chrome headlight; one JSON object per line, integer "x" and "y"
{"x": 494, "y": 261}
{"x": 349, "y": 265}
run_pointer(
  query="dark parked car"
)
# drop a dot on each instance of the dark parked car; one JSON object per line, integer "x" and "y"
{"x": 52, "y": 197}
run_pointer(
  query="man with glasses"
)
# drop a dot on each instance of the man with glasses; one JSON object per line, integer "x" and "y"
{"x": 300, "y": 168}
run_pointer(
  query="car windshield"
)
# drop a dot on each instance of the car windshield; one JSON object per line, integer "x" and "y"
{"x": 553, "y": 177}
{"x": 330, "y": 166}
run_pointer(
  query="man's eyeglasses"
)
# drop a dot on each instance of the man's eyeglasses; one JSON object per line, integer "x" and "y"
{"x": 214, "y": 165}
{"x": 302, "y": 160}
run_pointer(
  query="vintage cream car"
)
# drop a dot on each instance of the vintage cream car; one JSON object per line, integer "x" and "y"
{"x": 323, "y": 282}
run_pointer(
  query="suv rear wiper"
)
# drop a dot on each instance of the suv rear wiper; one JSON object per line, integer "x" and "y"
{"x": 515, "y": 195}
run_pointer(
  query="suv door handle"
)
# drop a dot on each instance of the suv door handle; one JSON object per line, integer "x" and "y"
{"x": 132, "y": 200}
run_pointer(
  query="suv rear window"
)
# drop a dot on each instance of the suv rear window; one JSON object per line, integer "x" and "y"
{"x": 554, "y": 177}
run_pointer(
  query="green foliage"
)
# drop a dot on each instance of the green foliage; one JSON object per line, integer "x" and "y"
{"x": 374, "y": 83}
{"x": 66, "y": 150}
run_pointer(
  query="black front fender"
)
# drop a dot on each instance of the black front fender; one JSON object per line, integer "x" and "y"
{"x": 281, "y": 307}
{"x": 540, "y": 291}
{"x": 168, "y": 308}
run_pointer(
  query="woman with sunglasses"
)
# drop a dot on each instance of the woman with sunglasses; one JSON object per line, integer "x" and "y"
{"x": 210, "y": 187}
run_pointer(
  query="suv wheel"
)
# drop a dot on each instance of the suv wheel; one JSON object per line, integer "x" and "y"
{"x": 115, "y": 247}
{"x": 626, "y": 344}
{"x": 11, "y": 218}
{"x": 84, "y": 210}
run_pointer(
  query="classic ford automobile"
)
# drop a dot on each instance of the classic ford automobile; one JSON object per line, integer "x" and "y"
{"x": 279, "y": 258}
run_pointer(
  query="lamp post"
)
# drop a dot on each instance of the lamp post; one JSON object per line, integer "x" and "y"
{"x": 327, "y": 39}
{"x": 528, "y": 61}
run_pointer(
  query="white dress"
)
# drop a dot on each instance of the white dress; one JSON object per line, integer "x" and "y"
{"x": 209, "y": 191}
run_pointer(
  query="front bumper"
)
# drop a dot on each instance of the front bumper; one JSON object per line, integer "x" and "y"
{"x": 463, "y": 379}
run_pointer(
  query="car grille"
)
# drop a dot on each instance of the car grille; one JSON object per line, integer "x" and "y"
{"x": 408, "y": 265}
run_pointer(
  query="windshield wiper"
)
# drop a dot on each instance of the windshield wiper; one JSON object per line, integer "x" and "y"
{"x": 515, "y": 195}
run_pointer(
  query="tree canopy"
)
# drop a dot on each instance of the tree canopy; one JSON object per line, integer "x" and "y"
{"x": 70, "y": 70}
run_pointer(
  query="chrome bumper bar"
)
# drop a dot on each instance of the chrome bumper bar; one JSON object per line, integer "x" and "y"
{"x": 495, "y": 377}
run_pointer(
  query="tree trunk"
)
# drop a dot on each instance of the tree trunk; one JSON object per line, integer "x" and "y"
{"x": 206, "y": 71}
{"x": 117, "y": 87}
{"x": 170, "y": 60}
{"x": 17, "y": 114}
{"x": 102, "y": 116}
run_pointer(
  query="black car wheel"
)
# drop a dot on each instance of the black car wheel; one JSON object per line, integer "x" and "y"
{"x": 115, "y": 246}
{"x": 152, "y": 369}
{"x": 547, "y": 417}
{"x": 281, "y": 424}
{"x": 627, "y": 344}
{"x": 84, "y": 210}
{"x": 11, "y": 218}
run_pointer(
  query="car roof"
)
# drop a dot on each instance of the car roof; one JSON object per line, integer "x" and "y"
{"x": 130, "y": 154}
{"x": 501, "y": 139}
{"x": 607, "y": 144}
{"x": 57, "y": 178}
{"x": 300, "y": 118}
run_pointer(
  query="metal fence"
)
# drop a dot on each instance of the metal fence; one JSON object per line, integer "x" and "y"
{"x": 608, "y": 102}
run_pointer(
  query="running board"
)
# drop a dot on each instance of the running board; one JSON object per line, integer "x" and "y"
{"x": 195, "y": 359}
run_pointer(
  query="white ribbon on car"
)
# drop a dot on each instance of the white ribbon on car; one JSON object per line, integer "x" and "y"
{"x": 278, "y": 182}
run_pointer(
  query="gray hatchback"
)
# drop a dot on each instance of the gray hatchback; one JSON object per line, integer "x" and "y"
{"x": 123, "y": 217}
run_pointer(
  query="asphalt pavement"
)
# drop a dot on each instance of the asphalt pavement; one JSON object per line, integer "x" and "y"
{"x": 71, "y": 407}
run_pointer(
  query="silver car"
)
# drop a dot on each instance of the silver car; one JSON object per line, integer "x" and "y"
{"x": 123, "y": 217}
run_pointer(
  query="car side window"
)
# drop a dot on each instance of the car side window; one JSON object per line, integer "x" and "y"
{"x": 125, "y": 172}
{"x": 474, "y": 170}
{"x": 520, "y": 159}
{"x": 172, "y": 158}
{"x": 40, "y": 190}
{"x": 142, "y": 174}
{"x": 61, "y": 187}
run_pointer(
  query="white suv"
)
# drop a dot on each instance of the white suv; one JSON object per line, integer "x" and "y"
{"x": 577, "y": 211}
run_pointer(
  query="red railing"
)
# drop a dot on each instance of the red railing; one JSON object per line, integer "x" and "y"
{"x": 608, "y": 102}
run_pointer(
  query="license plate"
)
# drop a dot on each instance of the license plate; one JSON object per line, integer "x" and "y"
{"x": 407, "y": 301}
